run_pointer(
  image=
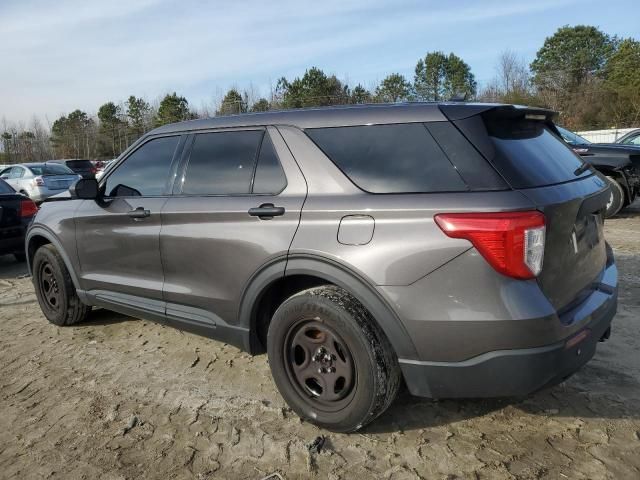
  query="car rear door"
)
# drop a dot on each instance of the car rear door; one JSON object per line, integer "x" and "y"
{"x": 235, "y": 209}
{"x": 118, "y": 237}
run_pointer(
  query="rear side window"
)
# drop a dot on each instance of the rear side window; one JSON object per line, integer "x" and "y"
{"x": 526, "y": 152}
{"x": 5, "y": 187}
{"x": 145, "y": 172}
{"x": 399, "y": 158}
{"x": 222, "y": 163}
{"x": 270, "y": 178}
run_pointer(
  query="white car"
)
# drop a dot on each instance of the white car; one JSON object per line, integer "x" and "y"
{"x": 39, "y": 181}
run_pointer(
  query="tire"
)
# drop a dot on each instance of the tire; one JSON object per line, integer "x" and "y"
{"x": 330, "y": 360}
{"x": 20, "y": 257}
{"x": 55, "y": 290}
{"x": 616, "y": 200}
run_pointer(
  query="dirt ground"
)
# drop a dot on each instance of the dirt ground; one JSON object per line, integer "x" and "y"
{"x": 120, "y": 398}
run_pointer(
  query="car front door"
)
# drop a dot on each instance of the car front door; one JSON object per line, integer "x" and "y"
{"x": 118, "y": 235}
{"x": 234, "y": 210}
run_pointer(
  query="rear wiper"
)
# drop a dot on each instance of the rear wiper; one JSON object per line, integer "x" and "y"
{"x": 581, "y": 169}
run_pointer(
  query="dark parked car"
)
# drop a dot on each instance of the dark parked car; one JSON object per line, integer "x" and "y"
{"x": 619, "y": 163}
{"x": 631, "y": 138}
{"x": 84, "y": 168}
{"x": 459, "y": 247}
{"x": 16, "y": 212}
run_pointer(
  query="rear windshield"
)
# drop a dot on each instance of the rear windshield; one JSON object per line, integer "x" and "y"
{"x": 526, "y": 152}
{"x": 5, "y": 187}
{"x": 403, "y": 158}
{"x": 51, "y": 169}
{"x": 79, "y": 164}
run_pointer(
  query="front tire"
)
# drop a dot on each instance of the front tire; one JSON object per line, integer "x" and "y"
{"x": 330, "y": 361}
{"x": 55, "y": 290}
{"x": 616, "y": 199}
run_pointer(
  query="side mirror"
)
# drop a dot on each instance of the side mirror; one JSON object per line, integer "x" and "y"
{"x": 84, "y": 189}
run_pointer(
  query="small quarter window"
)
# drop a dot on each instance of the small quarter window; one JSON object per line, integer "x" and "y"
{"x": 269, "y": 177}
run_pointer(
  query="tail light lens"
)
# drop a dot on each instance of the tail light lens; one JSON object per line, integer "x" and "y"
{"x": 512, "y": 242}
{"x": 28, "y": 208}
{"x": 38, "y": 181}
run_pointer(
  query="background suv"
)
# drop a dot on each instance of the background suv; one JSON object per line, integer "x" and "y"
{"x": 39, "y": 181}
{"x": 619, "y": 163}
{"x": 456, "y": 246}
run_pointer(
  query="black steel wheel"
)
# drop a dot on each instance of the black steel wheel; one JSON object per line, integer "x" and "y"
{"x": 330, "y": 360}
{"x": 54, "y": 288}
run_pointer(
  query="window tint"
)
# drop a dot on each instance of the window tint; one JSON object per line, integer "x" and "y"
{"x": 269, "y": 177}
{"x": 5, "y": 187}
{"x": 145, "y": 171}
{"x": 478, "y": 174}
{"x": 398, "y": 158}
{"x": 222, "y": 163}
{"x": 528, "y": 154}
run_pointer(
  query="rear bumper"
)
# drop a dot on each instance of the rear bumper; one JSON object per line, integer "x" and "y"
{"x": 517, "y": 372}
{"x": 508, "y": 372}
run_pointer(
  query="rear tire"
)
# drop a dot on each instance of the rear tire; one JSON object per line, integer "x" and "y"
{"x": 616, "y": 199}
{"x": 330, "y": 360}
{"x": 55, "y": 290}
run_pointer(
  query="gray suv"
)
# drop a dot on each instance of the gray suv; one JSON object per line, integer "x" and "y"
{"x": 456, "y": 247}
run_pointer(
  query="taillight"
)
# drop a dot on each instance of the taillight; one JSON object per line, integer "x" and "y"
{"x": 27, "y": 208}
{"x": 512, "y": 242}
{"x": 38, "y": 181}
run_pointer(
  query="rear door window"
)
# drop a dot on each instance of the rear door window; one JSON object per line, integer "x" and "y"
{"x": 222, "y": 163}
{"x": 398, "y": 158}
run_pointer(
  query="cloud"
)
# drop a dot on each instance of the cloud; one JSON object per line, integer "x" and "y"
{"x": 71, "y": 53}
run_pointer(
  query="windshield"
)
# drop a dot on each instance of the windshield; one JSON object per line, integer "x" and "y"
{"x": 572, "y": 138}
{"x": 51, "y": 169}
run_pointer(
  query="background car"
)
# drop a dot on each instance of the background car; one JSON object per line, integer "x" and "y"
{"x": 16, "y": 213}
{"x": 102, "y": 168}
{"x": 85, "y": 168}
{"x": 39, "y": 181}
{"x": 619, "y": 163}
{"x": 631, "y": 138}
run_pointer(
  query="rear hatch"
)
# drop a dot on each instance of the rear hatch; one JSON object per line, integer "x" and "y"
{"x": 56, "y": 176}
{"x": 82, "y": 167}
{"x": 524, "y": 147}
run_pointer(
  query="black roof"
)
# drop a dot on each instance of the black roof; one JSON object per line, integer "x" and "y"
{"x": 339, "y": 116}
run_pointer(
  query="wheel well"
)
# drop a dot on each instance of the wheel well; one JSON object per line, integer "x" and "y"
{"x": 269, "y": 301}
{"x": 35, "y": 243}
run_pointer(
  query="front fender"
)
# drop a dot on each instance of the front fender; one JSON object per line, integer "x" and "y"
{"x": 39, "y": 234}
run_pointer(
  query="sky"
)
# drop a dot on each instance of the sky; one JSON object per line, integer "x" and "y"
{"x": 60, "y": 55}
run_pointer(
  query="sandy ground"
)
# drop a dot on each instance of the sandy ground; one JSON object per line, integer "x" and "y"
{"x": 120, "y": 398}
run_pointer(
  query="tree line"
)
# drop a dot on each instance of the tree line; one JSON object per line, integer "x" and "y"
{"x": 589, "y": 76}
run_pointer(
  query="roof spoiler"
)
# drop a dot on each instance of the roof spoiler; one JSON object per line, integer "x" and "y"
{"x": 459, "y": 111}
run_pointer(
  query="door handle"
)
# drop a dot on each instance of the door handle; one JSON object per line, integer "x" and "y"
{"x": 139, "y": 213}
{"x": 266, "y": 211}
